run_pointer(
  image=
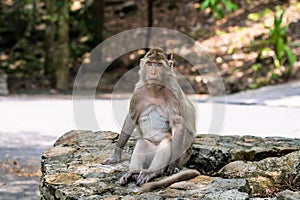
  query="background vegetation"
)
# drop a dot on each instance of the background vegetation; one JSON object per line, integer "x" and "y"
{"x": 253, "y": 42}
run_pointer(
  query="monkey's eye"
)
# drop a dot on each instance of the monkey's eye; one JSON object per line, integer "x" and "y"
{"x": 149, "y": 64}
{"x": 159, "y": 64}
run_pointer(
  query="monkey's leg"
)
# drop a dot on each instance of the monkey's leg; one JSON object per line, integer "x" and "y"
{"x": 141, "y": 158}
{"x": 182, "y": 153}
{"x": 142, "y": 155}
{"x": 158, "y": 164}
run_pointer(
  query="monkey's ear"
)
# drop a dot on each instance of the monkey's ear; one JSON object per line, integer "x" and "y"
{"x": 170, "y": 60}
{"x": 169, "y": 56}
{"x": 142, "y": 62}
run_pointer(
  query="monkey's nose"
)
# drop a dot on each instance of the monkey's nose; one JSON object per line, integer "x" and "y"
{"x": 153, "y": 73}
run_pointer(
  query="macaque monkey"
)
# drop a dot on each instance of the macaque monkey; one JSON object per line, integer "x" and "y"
{"x": 165, "y": 120}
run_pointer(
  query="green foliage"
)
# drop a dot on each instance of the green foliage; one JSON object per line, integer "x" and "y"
{"x": 22, "y": 45}
{"x": 277, "y": 47}
{"x": 260, "y": 15}
{"x": 218, "y": 6}
{"x": 256, "y": 67}
{"x": 253, "y": 16}
{"x": 279, "y": 40}
{"x": 22, "y": 42}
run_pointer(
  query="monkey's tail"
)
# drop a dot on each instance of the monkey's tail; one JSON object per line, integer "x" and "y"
{"x": 180, "y": 176}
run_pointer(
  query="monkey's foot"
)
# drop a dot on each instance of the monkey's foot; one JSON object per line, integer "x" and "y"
{"x": 171, "y": 170}
{"x": 111, "y": 160}
{"x": 131, "y": 175}
{"x": 145, "y": 177}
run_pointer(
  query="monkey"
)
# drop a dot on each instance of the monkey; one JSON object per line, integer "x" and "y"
{"x": 165, "y": 120}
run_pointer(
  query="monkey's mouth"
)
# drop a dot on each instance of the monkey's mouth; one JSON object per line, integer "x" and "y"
{"x": 155, "y": 84}
{"x": 153, "y": 80}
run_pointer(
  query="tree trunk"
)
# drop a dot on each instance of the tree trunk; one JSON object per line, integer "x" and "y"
{"x": 97, "y": 20}
{"x": 62, "y": 53}
{"x": 150, "y": 13}
{"x": 49, "y": 65}
{"x": 150, "y": 22}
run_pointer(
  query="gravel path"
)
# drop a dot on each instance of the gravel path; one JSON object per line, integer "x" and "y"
{"x": 19, "y": 167}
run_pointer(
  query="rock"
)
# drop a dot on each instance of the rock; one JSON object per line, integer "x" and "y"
{"x": 71, "y": 169}
{"x": 127, "y": 7}
{"x": 212, "y": 152}
{"x": 288, "y": 195}
{"x": 266, "y": 176}
{"x": 229, "y": 194}
{"x": 3, "y": 83}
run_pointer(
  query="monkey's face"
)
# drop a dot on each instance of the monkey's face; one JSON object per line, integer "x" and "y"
{"x": 154, "y": 71}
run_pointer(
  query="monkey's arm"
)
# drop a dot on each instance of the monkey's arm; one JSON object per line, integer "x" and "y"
{"x": 126, "y": 132}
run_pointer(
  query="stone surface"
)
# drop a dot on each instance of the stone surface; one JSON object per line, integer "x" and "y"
{"x": 268, "y": 175}
{"x": 72, "y": 169}
{"x": 212, "y": 152}
{"x": 288, "y": 195}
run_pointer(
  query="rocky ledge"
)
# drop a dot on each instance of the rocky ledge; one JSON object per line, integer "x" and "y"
{"x": 232, "y": 167}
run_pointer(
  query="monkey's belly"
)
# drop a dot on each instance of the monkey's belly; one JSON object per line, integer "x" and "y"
{"x": 153, "y": 124}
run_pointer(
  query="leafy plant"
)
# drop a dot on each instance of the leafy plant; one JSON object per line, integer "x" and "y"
{"x": 277, "y": 46}
{"x": 217, "y": 7}
{"x": 279, "y": 40}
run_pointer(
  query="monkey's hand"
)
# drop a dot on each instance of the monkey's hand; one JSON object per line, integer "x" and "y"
{"x": 112, "y": 160}
{"x": 145, "y": 177}
{"x": 172, "y": 169}
{"x": 128, "y": 176}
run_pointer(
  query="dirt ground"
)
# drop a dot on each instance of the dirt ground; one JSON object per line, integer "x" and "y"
{"x": 229, "y": 41}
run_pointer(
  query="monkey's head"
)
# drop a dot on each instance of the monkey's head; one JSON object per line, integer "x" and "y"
{"x": 155, "y": 66}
